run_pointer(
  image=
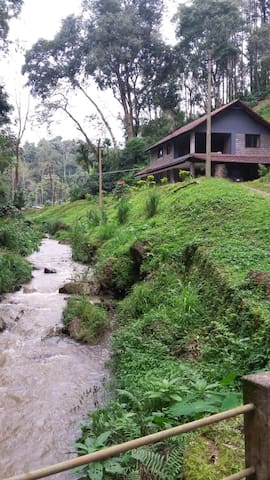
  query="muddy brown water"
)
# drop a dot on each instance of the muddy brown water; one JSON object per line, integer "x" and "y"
{"x": 47, "y": 383}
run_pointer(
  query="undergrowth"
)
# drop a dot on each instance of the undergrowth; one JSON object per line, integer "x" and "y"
{"x": 18, "y": 238}
{"x": 85, "y": 322}
{"x": 191, "y": 322}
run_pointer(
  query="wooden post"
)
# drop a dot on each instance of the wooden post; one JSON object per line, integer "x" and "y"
{"x": 100, "y": 175}
{"x": 208, "y": 122}
{"x": 256, "y": 389}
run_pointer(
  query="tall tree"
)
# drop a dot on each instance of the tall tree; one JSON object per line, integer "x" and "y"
{"x": 212, "y": 26}
{"x": 8, "y": 10}
{"x": 117, "y": 43}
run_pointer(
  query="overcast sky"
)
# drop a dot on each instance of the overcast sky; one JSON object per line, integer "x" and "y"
{"x": 42, "y": 19}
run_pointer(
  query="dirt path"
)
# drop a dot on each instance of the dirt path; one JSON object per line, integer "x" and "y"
{"x": 257, "y": 190}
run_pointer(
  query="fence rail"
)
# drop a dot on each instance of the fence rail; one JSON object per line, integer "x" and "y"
{"x": 139, "y": 442}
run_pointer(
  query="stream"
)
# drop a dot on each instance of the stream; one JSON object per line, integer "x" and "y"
{"x": 47, "y": 383}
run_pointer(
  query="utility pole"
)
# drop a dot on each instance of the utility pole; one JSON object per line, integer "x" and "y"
{"x": 208, "y": 123}
{"x": 100, "y": 175}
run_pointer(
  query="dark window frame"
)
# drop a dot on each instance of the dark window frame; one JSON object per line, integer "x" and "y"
{"x": 160, "y": 152}
{"x": 168, "y": 148}
{"x": 252, "y": 140}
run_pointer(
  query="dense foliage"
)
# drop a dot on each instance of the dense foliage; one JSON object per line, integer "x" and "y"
{"x": 18, "y": 238}
{"x": 190, "y": 321}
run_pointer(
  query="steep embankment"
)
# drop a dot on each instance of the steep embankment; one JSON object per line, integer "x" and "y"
{"x": 18, "y": 238}
{"x": 263, "y": 108}
{"x": 192, "y": 314}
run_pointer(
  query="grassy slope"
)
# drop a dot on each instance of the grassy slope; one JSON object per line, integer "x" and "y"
{"x": 196, "y": 317}
{"x": 263, "y": 108}
{"x": 17, "y": 239}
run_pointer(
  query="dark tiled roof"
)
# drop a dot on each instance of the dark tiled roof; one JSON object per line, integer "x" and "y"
{"x": 192, "y": 125}
{"x": 166, "y": 164}
{"x": 229, "y": 158}
{"x": 215, "y": 157}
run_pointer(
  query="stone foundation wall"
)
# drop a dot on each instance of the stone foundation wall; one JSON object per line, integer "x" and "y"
{"x": 221, "y": 171}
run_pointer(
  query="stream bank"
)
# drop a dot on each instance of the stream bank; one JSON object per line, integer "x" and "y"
{"x": 47, "y": 383}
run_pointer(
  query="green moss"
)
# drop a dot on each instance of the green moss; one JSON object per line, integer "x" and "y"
{"x": 215, "y": 453}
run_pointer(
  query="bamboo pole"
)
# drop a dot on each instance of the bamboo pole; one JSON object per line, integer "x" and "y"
{"x": 208, "y": 121}
{"x": 100, "y": 175}
{"x": 244, "y": 473}
{"x": 132, "y": 444}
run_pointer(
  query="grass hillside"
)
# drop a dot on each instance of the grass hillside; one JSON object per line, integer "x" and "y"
{"x": 18, "y": 239}
{"x": 263, "y": 108}
{"x": 189, "y": 268}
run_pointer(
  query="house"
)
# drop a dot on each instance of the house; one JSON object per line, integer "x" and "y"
{"x": 240, "y": 141}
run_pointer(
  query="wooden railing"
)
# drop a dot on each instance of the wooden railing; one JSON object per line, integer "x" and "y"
{"x": 256, "y": 410}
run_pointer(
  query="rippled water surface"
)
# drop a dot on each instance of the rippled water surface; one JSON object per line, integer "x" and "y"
{"x": 46, "y": 382}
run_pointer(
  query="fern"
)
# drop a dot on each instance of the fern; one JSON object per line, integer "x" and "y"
{"x": 174, "y": 464}
{"x": 152, "y": 461}
{"x": 134, "y": 475}
{"x": 158, "y": 465}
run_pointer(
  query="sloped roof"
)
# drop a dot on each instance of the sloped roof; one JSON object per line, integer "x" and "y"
{"x": 233, "y": 158}
{"x": 199, "y": 121}
{"x": 215, "y": 157}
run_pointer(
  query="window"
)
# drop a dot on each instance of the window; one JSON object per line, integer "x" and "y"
{"x": 160, "y": 152}
{"x": 252, "y": 141}
{"x": 168, "y": 148}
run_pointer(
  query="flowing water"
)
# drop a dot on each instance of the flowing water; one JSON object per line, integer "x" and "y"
{"x": 46, "y": 382}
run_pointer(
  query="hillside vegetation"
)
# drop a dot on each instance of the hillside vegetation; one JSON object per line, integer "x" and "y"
{"x": 188, "y": 265}
{"x": 18, "y": 238}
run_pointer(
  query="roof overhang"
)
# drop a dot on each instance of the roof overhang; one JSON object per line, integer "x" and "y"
{"x": 201, "y": 157}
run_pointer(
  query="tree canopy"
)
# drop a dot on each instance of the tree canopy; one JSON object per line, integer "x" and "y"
{"x": 8, "y": 10}
{"x": 211, "y": 28}
{"x": 118, "y": 44}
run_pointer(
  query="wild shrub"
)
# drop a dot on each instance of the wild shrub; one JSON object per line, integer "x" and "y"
{"x": 96, "y": 217}
{"x": 164, "y": 181}
{"x": 123, "y": 209}
{"x": 54, "y": 226}
{"x": 150, "y": 181}
{"x": 262, "y": 170}
{"x": 91, "y": 319}
{"x": 141, "y": 183}
{"x": 9, "y": 210}
{"x": 82, "y": 250}
{"x": 104, "y": 232}
{"x": 14, "y": 271}
{"x": 152, "y": 202}
{"x": 184, "y": 175}
{"x": 19, "y": 236}
{"x": 117, "y": 274}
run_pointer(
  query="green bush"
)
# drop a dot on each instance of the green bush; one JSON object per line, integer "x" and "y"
{"x": 14, "y": 271}
{"x": 184, "y": 175}
{"x": 104, "y": 232}
{"x": 117, "y": 274}
{"x": 152, "y": 202}
{"x": 122, "y": 212}
{"x": 83, "y": 249}
{"x": 85, "y": 321}
{"x": 19, "y": 236}
{"x": 141, "y": 183}
{"x": 9, "y": 210}
{"x": 164, "y": 181}
{"x": 54, "y": 226}
{"x": 262, "y": 170}
{"x": 96, "y": 217}
{"x": 150, "y": 181}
